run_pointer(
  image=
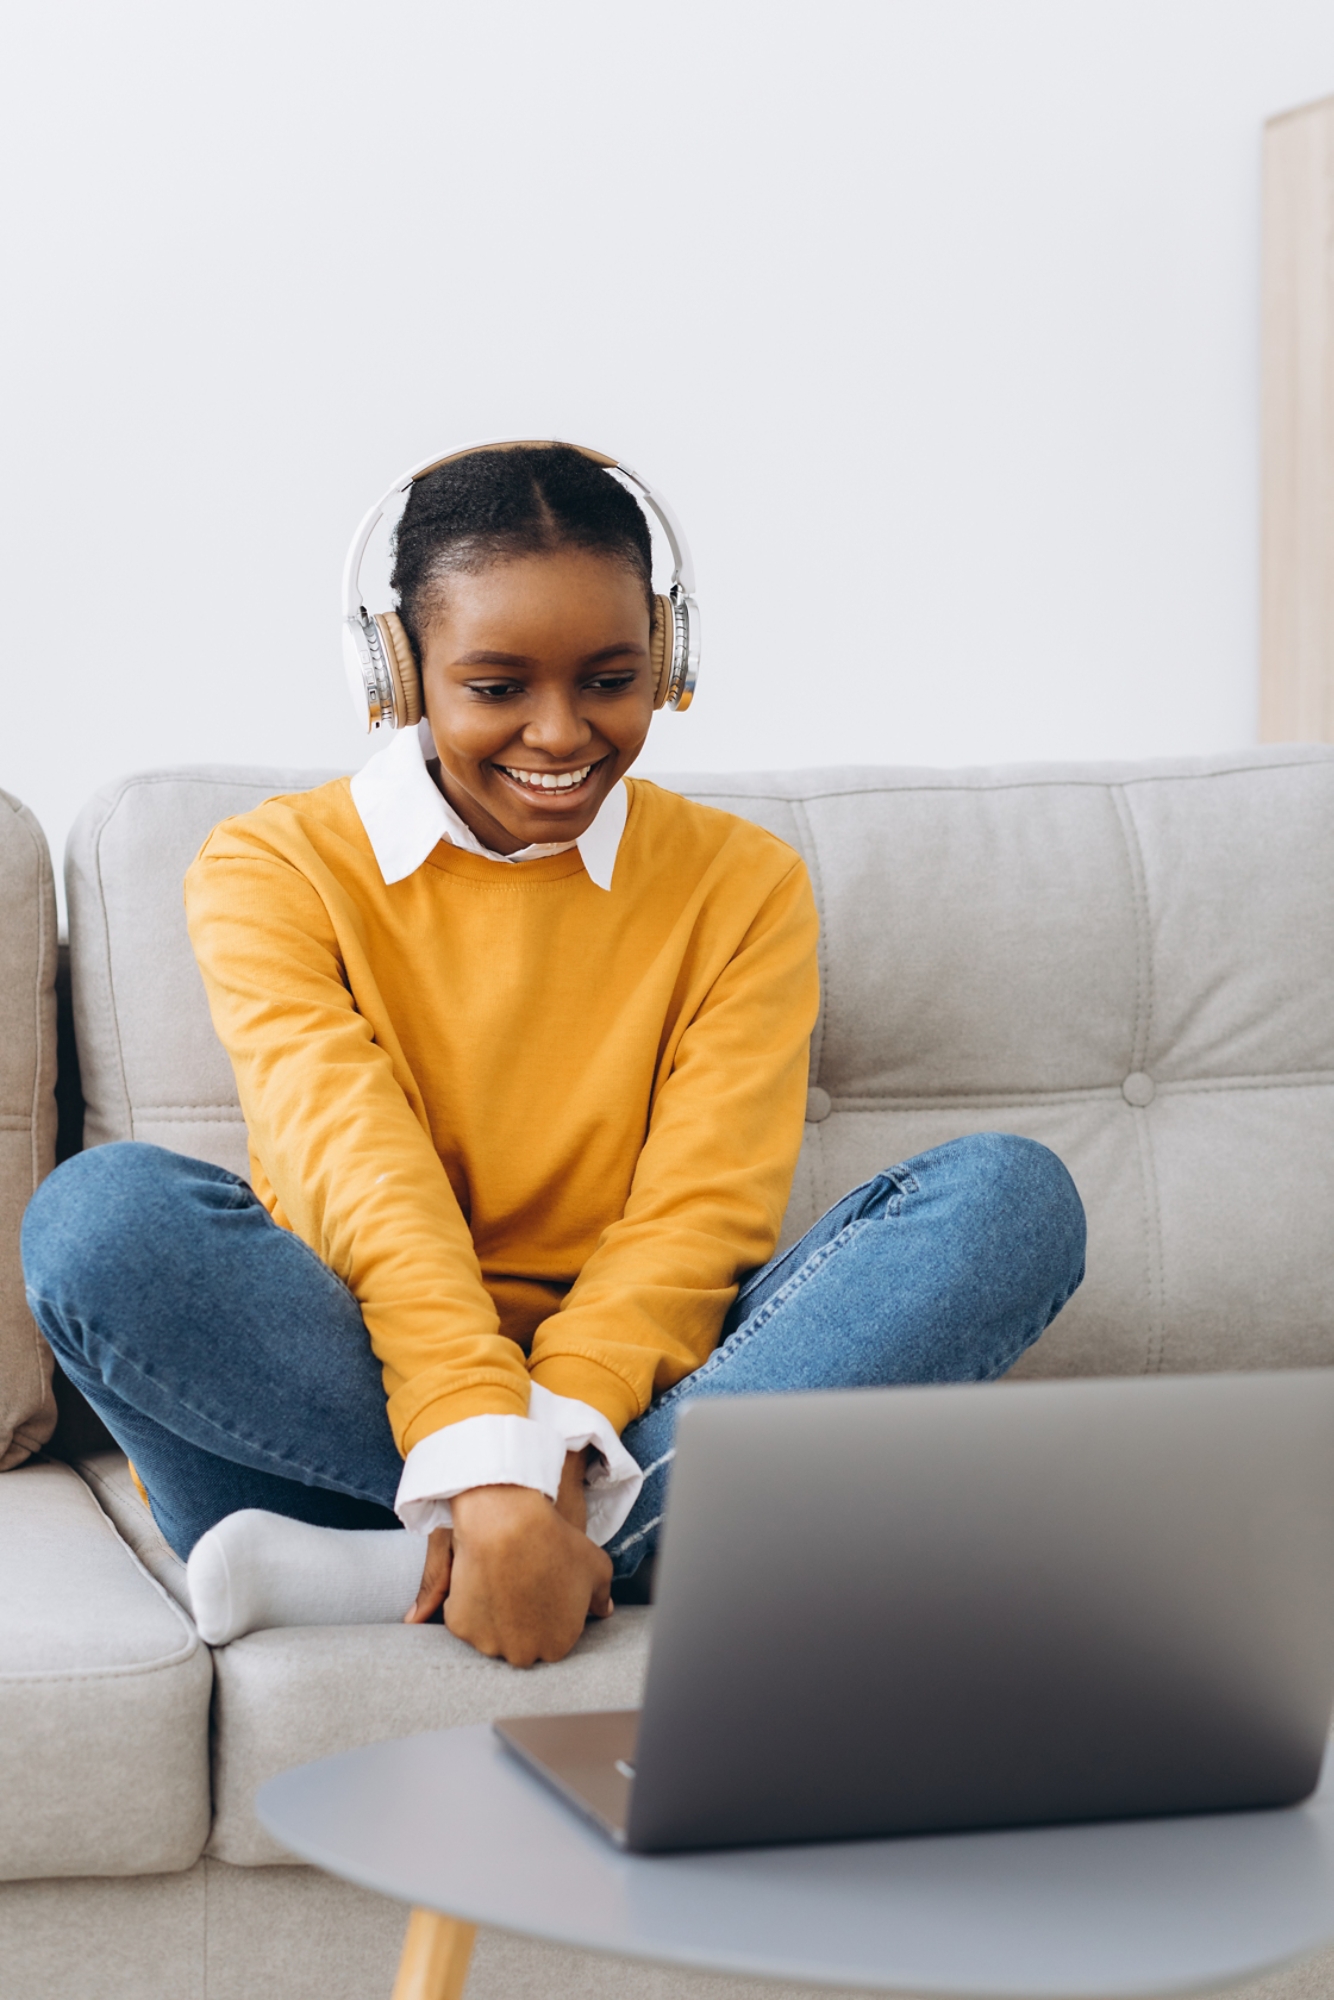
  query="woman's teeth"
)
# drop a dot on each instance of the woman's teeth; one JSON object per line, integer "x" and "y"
{"x": 547, "y": 781}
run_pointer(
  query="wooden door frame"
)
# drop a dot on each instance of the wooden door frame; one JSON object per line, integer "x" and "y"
{"x": 1297, "y": 532}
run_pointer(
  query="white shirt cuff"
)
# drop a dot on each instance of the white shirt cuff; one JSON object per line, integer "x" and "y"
{"x": 519, "y": 1451}
{"x": 479, "y": 1451}
{"x": 613, "y": 1480}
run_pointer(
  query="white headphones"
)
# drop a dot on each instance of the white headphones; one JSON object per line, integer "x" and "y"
{"x": 383, "y": 676}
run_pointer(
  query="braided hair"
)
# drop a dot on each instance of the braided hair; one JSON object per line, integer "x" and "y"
{"x": 516, "y": 501}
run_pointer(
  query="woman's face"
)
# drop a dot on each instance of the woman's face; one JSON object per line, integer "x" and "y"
{"x": 539, "y": 692}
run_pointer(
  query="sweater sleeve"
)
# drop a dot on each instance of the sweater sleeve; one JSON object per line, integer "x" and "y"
{"x": 339, "y": 1131}
{"x": 707, "y": 1200}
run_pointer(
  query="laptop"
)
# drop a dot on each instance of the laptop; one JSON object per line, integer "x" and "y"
{"x": 893, "y": 1611}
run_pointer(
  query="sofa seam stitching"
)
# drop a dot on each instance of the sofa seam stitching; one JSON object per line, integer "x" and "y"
{"x": 92, "y": 1478}
{"x": 87, "y": 1675}
{"x": 37, "y": 841}
{"x": 111, "y": 975}
{"x": 949, "y": 783}
{"x": 1139, "y": 1054}
{"x": 1144, "y": 994}
{"x": 38, "y": 1037}
{"x": 223, "y": 1113}
{"x": 1157, "y": 1344}
{"x": 856, "y": 1106}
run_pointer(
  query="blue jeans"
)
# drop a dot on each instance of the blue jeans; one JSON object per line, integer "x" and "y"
{"x": 236, "y": 1371}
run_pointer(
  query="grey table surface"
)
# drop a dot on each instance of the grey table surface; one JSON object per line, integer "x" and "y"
{"x": 451, "y": 1822}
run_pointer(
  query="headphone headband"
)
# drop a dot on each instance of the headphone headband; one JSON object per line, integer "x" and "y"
{"x": 683, "y": 571}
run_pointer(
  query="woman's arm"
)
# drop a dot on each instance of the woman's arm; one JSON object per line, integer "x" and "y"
{"x": 707, "y": 1204}
{"x": 712, "y": 1181}
{"x": 335, "y": 1123}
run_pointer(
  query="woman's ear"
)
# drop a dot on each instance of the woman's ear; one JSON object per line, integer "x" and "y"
{"x": 661, "y": 638}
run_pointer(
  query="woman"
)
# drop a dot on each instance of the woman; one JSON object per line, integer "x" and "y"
{"x": 522, "y": 1053}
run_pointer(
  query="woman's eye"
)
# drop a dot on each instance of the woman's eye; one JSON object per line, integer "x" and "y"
{"x": 493, "y": 690}
{"x": 612, "y": 683}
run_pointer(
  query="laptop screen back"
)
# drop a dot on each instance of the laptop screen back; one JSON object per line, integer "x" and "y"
{"x": 902, "y": 1610}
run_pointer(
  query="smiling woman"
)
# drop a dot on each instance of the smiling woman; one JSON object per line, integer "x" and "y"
{"x": 533, "y": 733}
{"x": 521, "y": 1044}
{"x": 524, "y": 580}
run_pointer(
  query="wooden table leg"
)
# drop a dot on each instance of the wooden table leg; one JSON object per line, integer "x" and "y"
{"x": 436, "y": 1951}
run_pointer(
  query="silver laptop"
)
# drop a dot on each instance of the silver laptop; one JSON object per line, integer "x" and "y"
{"x": 905, "y": 1610}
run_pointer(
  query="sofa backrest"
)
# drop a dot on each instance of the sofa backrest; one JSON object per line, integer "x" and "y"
{"x": 1134, "y": 964}
{"x": 27, "y": 1114}
{"x": 151, "y": 1066}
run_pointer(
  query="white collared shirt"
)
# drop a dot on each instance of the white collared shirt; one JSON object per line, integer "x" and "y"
{"x": 406, "y": 816}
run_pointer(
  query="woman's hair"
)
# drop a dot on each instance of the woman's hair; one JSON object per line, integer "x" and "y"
{"x": 494, "y": 505}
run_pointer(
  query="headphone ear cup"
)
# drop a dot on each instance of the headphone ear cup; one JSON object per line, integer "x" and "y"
{"x": 402, "y": 662}
{"x": 662, "y": 639}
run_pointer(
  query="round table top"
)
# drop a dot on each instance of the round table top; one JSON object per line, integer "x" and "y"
{"x": 451, "y": 1822}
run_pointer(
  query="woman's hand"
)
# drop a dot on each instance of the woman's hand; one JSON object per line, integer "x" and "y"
{"x": 517, "y": 1574}
{"x": 435, "y": 1576}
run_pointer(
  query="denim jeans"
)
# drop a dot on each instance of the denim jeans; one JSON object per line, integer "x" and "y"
{"x": 236, "y": 1371}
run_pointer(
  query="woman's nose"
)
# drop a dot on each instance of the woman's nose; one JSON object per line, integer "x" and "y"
{"x": 557, "y": 728}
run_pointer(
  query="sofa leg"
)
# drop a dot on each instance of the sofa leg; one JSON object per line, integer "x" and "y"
{"x": 436, "y": 1951}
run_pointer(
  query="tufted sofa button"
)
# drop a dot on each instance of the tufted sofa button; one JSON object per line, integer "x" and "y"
{"x": 1139, "y": 1089}
{"x": 818, "y": 1105}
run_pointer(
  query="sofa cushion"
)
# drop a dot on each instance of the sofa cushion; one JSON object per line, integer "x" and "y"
{"x": 27, "y": 1115}
{"x": 284, "y": 1697}
{"x": 104, "y": 1694}
{"x": 1133, "y": 963}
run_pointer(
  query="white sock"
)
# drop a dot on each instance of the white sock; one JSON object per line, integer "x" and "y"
{"x": 256, "y": 1570}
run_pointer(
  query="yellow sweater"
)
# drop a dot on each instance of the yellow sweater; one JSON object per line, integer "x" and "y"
{"x": 539, "y": 1129}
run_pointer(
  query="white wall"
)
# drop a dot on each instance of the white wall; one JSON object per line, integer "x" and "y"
{"x": 936, "y": 319}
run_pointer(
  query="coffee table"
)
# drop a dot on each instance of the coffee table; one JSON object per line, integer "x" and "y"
{"x": 452, "y": 1824}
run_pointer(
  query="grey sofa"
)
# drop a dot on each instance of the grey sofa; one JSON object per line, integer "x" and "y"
{"x": 1134, "y": 964}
